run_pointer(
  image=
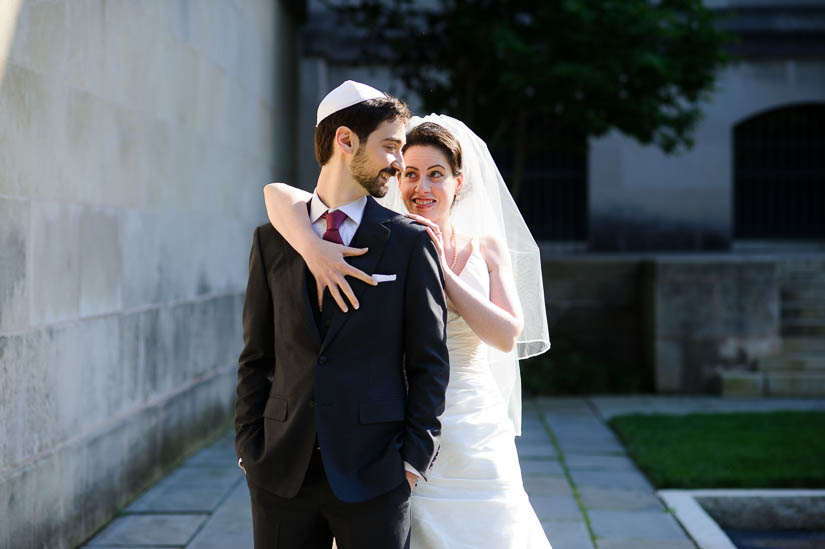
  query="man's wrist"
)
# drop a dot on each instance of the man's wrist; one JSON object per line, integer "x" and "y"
{"x": 410, "y": 469}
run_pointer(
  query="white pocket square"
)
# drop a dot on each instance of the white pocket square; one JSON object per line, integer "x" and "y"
{"x": 383, "y": 278}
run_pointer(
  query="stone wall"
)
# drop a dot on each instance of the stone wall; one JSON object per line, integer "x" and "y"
{"x": 642, "y": 199}
{"x": 594, "y": 309}
{"x": 707, "y": 315}
{"x": 674, "y": 321}
{"x": 136, "y": 138}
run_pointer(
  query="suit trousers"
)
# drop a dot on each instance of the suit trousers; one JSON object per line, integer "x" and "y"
{"x": 311, "y": 518}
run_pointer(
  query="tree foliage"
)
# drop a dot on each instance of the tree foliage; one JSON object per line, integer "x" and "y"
{"x": 642, "y": 67}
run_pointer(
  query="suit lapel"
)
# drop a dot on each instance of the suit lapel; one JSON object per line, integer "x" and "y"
{"x": 299, "y": 275}
{"x": 371, "y": 234}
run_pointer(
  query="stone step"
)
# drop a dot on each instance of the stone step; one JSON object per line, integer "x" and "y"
{"x": 800, "y": 309}
{"x": 741, "y": 383}
{"x": 794, "y": 305}
{"x": 802, "y": 318}
{"x": 796, "y": 362}
{"x": 809, "y": 293}
{"x": 794, "y": 384}
{"x": 801, "y": 267}
{"x": 812, "y": 277}
{"x": 808, "y": 268}
{"x": 811, "y": 327}
{"x": 803, "y": 345}
{"x": 795, "y": 268}
{"x": 802, "y": 327}
{"x": 809, "y": 278}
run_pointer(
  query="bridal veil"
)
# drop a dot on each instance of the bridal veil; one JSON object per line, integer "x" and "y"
{"x": 485, "y": 207}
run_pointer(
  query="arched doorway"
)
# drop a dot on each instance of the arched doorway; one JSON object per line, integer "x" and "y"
{"x": 779, "y": 174}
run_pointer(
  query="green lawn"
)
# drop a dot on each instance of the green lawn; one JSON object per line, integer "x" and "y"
{"x": 730, "y": 450}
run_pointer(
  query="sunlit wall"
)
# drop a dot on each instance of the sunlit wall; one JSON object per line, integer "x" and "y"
{"x": 135, "y": 140}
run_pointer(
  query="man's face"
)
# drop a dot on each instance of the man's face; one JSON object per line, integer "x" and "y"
{"x": 379, "y": 158}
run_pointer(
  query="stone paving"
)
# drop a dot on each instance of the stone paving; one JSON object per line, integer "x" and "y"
{"x": 586, "y": 491}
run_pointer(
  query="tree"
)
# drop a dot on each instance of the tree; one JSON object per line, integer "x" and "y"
{"x": 642, "y": 67}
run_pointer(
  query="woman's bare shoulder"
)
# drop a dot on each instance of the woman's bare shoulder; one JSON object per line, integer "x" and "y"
{"x": 493, "y": 250}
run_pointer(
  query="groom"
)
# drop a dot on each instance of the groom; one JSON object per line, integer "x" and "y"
{"x": 337, "y": 413}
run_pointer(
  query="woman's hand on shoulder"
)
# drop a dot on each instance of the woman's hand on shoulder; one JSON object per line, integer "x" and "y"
{"x": 435, "y": 235}
{"x": 326, "y": 263}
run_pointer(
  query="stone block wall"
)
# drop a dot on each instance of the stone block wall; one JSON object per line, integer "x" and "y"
{"x": 674, "y": 321}
{"x": 135, "y": 140}
{"x": 707, "y": 315}
{"x": 594, "y": 308}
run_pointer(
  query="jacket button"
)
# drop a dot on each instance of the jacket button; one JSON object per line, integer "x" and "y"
{"x": 322, "y": 359}
{"x": 311, "y": 403}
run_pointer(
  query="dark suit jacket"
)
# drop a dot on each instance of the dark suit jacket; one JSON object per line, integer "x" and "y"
{"x": 349, "y": 388}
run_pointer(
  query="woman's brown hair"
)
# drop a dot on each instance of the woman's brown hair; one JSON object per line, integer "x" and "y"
{"x": 429, "y": 133}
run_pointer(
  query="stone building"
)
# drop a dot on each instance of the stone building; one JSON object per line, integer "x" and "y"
{"x": 135, "y": 140}
{"x": 701, "y": 271}
{"x": 741, "y": 307}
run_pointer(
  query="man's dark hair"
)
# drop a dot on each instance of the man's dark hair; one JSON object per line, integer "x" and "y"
{"x": 430, "y": 133}
{"x": 362, "y": 118}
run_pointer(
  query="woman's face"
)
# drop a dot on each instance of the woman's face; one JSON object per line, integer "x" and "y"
{"x": 427, "y": 183}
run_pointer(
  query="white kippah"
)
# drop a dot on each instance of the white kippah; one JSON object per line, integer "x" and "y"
{"x": 346, "y": 95}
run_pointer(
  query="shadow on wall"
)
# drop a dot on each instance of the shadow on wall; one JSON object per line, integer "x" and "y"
{"x": 568, "y": 371}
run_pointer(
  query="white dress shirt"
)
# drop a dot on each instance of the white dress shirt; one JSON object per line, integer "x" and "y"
{"x": 354, "y": 211}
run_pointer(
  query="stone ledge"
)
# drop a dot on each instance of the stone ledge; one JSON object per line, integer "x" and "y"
{"x": 793, "y": 362}
{"x": 735, "y": 383}
{"x": 758, "y": 509}
{"x": 795, "y": 383}
{"x": 695, "y": 520}
{"x": 765, "y": 509}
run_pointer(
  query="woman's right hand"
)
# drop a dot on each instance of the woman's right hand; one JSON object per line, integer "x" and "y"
{"x": 325, "y": 260}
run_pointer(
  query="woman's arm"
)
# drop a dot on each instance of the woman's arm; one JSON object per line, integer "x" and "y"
{"x": 286, "y": 207}
{"x": 496, "y": 319}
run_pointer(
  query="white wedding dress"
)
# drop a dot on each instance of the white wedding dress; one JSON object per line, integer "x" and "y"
{"x": 474, "y": 497}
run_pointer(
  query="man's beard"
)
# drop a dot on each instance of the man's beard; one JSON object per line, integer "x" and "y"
{"x": 372, "y": 183}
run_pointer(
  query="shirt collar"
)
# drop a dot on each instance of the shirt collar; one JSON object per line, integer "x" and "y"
{"x": 354, "y": 209}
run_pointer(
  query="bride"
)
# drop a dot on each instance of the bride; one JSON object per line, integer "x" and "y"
{"x": 474, "y": 496}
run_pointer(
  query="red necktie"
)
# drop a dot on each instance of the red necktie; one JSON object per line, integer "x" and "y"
{"x": 334, "y": 220}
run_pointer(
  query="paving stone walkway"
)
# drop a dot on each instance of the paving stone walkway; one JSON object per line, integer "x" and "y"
{"x": 586, "y": 491}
